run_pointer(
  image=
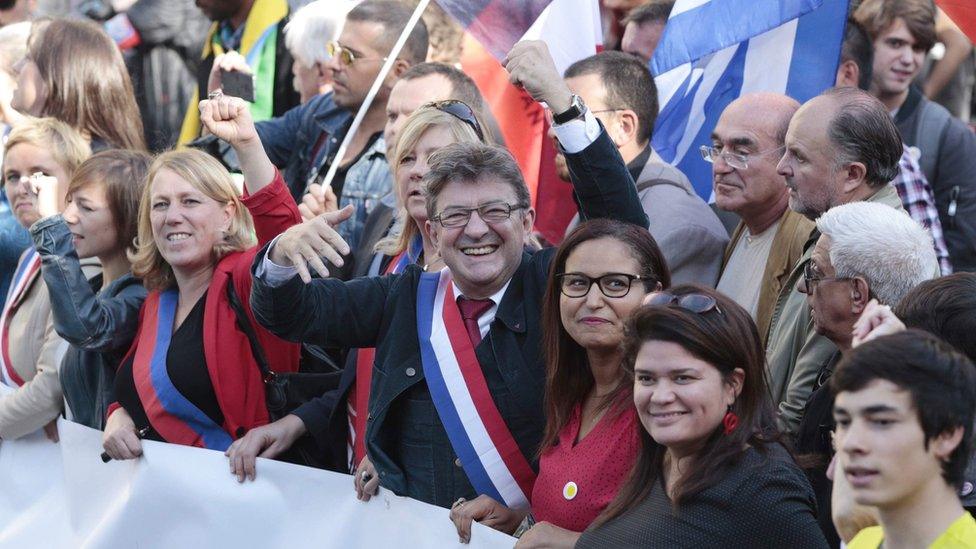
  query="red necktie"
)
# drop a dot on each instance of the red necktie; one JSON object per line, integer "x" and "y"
{"x": 471, "y": 311}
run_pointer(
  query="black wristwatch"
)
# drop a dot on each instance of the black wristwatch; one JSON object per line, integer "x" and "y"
{"x": 575, "y": 110}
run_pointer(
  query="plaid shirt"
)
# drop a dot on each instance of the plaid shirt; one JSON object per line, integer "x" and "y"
{"x": 916, "y": 195}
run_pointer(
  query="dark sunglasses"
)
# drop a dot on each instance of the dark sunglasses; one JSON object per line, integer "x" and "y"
{"x": 696, "y": 303}
{"x": 460, "y": 110}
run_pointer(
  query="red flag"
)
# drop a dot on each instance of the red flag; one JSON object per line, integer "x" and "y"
{"x": 962, "y": 13}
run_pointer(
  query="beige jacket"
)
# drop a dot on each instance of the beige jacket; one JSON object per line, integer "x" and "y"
{"x": 795, "y": 352}
{"x": 792, "y": 234}
{"x": 35, "y": 353}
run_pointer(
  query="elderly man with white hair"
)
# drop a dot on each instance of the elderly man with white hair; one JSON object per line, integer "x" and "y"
{"x": 866, "y": 251}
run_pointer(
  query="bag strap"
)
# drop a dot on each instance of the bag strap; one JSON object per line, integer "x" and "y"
{"x": 244, "y": 323}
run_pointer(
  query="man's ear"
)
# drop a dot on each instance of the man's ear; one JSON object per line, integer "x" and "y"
{"x": 945, "y": 443}
{"x": 860, "y": 294}
{"x": 855, "y": 175}
{"x": 628, "y": 123}
{"x": 399, "y": 67}
{"x": 433, "y": 233}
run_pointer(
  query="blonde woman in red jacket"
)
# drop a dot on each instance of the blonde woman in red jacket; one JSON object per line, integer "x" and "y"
{"x": 190, "y": 377}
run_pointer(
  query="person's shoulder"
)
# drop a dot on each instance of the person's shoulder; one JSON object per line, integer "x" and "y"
{"x": 869, "y": 538}
{"x": 961, "y": 534}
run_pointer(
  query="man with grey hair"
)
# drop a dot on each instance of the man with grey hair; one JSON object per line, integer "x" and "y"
{"x": 865, "y": 252}
{"x": 841, "y": 147}
{"x": 312, "y": 27}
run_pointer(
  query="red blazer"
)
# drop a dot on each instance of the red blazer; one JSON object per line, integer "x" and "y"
{"x": 233, "y": 371}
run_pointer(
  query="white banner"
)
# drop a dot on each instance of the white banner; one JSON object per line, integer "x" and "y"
{"x": 62, "y": 495}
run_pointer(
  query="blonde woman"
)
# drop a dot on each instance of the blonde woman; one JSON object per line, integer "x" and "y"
{"x": 190, "y": 376}
{"x": 31, "y": 349}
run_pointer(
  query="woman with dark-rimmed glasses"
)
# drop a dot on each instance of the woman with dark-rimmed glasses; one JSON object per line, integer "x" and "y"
{"x": 710, "y": 471}
{"x": 599, "y": 276}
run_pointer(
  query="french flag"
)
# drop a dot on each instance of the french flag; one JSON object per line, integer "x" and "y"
{"x": 572, "y": 30}
{"x": 713, "y": 51}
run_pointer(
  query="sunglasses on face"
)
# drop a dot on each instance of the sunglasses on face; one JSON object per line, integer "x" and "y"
{"x": 460, "y": 110}
{"x": 346, "y": 55}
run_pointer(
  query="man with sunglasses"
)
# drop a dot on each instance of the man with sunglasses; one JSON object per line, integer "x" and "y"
{"x": 620, "y": 91}
{"x": 439, "y": 358}
{"x": 304, "y": 141}
{"x": 747, "y": 142}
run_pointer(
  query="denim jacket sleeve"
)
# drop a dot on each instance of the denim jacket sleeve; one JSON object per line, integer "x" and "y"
{"x": 278, "y": 135}
{"x": 82, "y": 317}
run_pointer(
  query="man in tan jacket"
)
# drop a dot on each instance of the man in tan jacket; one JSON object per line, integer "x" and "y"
{"x": 746, "y": 145}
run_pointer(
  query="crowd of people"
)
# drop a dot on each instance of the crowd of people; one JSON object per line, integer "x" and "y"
{"x": 791, "y": 365}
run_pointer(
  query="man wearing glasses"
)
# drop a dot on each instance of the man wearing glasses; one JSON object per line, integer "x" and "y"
{"x": 619, "y": 90}
{"x": 304, "y": 141}
{"x": 460, "y": 343}
{"x": 747, "y": 142}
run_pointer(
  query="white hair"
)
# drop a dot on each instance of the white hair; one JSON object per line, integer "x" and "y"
{"x": 880, "y": 244}
{"x": 13, "y": 45}
{"x": 313, "y": 26}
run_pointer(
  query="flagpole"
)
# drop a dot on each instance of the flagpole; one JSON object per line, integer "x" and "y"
{"x": 387, "y": 66}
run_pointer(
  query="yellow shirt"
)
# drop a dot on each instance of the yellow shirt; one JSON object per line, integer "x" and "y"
{"x": 961, "y": 534}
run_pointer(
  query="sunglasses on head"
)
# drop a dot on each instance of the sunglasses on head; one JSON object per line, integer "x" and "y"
{"x": 696, "y": 303}
{"x": 460, "y": 110}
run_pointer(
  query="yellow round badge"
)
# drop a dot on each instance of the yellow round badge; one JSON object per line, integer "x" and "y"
{"x": 570, "y": 490}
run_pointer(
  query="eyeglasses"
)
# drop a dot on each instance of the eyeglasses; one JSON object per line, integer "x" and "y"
{"x": 492, "y": 212}
{"x": 696, "y": 303}
{"x": 460, "y": 110}
{"x": 735, "y": 160}
{"x": 345, "y": 55}
{"x": 613, "y": 285}
{"x": 811, "y": 278}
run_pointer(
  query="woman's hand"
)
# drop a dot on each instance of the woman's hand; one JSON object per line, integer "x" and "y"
{"x": 877, "y": 320}
{"x": 229, "y": 118}
{"x": 46, "y": 189}
{"x": 485, "y": 510}
{"x": 120, "y": 439}
{"x": 544, "y": 534}
{"x": 365, "y": 480}
{"x": 304, "y": 245}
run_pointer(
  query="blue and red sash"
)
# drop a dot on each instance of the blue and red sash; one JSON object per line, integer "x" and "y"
{"x": 482, "y": 441}
{"x": 27, "y": 270}
{"x": 364, "y": 366}
{"x": 171, "y": 414}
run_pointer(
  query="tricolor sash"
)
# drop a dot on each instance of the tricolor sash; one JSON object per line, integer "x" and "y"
{"x": 482, "y": 441}
{"x": 364, "y": 366}
{"x": 170, "y": 413}
{"x": 27, "y": 270}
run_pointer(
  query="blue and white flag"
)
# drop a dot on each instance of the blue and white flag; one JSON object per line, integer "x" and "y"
{"x": 713, "y": 51}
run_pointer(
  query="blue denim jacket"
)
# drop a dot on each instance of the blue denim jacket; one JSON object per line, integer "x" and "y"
{"x": 290, "y": 139}
{"x": 99, "y": 326}
{"x": 13, "y": 241}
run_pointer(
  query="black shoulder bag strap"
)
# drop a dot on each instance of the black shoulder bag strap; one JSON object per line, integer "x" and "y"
{"x": 244, "y": 323}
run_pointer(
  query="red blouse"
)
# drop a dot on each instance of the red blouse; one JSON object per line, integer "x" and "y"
{"x": 577, "y": 481}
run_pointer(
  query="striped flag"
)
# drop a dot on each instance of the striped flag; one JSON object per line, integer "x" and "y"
{"x": 713, "y": 51}
{"x": 571, "y": 29}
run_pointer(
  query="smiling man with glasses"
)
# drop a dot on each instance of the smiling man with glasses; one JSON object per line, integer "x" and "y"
{"x": 480, "y": 316}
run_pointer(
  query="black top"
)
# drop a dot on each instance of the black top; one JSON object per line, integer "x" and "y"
{"x": 763, "y": 501}
{"x": 187, "y": 368}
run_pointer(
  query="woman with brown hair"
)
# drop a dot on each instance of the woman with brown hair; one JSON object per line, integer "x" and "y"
{"x": 710, "y": 471}
{"x": 97, "y": 317}
{"x": 74, "y": 72}
{"x": 599, "y": 276}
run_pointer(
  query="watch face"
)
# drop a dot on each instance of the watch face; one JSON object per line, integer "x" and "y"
{"x": 575, "y": 111}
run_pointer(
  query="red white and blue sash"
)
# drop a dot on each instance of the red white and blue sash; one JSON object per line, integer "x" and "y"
{"x": 27, "y": 270}
{"x": 364, "y": 366}
{"x": 171, "y": 414}
{"x": 482, "y": 441}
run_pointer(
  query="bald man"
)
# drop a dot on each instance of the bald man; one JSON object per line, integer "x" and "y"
{"x": 747, "y": 143}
